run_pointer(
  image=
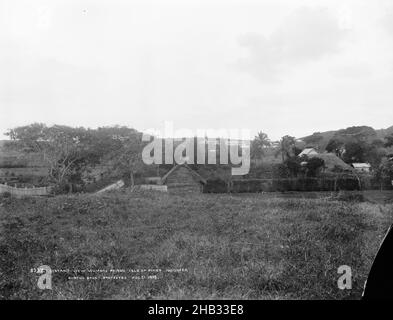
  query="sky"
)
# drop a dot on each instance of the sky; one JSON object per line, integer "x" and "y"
{"x": 281, "y": 67}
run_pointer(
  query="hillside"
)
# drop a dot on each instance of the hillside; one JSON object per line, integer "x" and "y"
{"x": 384, "y": 132}
{"x": 320, "y": 139}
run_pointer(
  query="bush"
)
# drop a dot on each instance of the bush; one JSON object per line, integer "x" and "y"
{"x": 281, "y": 185}
{"x": 239, "y": 186}
{"x": 5, "y": 195}
{"x": 216, "y": 186}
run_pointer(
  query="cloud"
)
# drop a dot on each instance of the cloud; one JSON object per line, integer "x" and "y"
{"x": 308, "y": 34}
{"x": 30, "y": 79}
{"x": 355, "y": 71}
{"x": 388, "y": 22}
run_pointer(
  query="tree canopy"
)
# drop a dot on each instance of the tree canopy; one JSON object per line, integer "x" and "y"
{"x": 69, "y": 151}
{"x": 259, "y": 145}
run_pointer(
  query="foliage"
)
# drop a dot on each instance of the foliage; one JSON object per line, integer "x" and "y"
{"x": 259, "y": 144}
{"x": 314, "y": 140}
{"x": 294, "y": 165}
{"x": 389, "y": 140}
{"x": 281, "y": 171}
{"x": 357, "y": 144}
{"x": 335, "y": 145}
{"x": 128, "y": 158}
{"x": 303, "y": 184}
{"x": 385, "y": 170}
{"x": 313, "y": 166}
{"x": 71, "y": 152}
{"x": 216, "y": 186}
{"x": 63, "y": 148}
{"x": 354, "y": 152}
{"x": 286, "y": 148}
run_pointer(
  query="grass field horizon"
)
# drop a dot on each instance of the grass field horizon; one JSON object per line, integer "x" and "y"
{"x": 244, "y": 246}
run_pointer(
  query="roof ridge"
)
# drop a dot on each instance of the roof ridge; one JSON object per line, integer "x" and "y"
{"x": 175, "y": 167}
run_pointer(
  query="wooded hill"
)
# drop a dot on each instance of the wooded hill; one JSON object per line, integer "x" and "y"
{"x": 320, "y": 140}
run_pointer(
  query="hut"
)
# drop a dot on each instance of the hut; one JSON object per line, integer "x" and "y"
{"x": 332, "y": 162}
{"x": 183, "y": 179}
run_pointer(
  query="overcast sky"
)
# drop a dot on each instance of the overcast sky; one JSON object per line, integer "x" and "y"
{"x": 283, "y": 67}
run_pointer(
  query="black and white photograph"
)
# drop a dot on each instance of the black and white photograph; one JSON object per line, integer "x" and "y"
{"x": 206, "y": 151}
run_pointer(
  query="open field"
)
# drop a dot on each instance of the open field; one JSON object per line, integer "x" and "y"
{"x": 246, "y": 246}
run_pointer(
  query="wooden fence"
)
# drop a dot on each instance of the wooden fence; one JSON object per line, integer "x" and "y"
{"x": 25, "y": 192}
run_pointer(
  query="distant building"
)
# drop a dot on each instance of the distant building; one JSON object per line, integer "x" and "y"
{"x": 181, "y": 178}
{"x": 361, "y": 167}
{"x": 308, "y": 152}
{"x": 275, "y": 144}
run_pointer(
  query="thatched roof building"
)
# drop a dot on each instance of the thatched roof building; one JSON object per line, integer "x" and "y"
{"x": 332, "y": 162}
{"x": 181, "y": 178}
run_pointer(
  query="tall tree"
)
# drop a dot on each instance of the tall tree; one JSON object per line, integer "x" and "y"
{"x": 63, "y": 148}
{"x": 286, "y": 148}
{"x": 259, "y": 145}
{"x": 355, "y": 152}
{"x": 384, "y": 172}
{"x": 336, "y": 145}
{"x": 294, "y": 166}
{"x": 128, "y": 158}
{"x": 314, "y": 166}
{"x": 389, "y": 140}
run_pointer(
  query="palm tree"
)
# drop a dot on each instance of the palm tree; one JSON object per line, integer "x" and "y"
{"x": 286, "y": 149}
{"x": 259, "y": 144}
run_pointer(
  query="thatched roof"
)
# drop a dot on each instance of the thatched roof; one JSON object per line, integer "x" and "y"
{"x": 197, "y": 176}
{"x": 332, "y": 161}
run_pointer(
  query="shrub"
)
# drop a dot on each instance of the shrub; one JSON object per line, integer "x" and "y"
{"x": 5, "y": 195}
{"x": 215, "y": 186}
{"x": 281, "y": 185}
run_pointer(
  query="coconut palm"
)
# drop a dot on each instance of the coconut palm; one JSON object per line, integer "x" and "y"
{"x": 259, "y": 144}
{"x": 286, "y": 148}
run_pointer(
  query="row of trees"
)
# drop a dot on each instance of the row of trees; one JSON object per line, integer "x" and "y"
{"x": 354, "y": 144}
{"x": 71, "y": 152}
{"x": 292, "y": 165}
{"x": 287, "y": 146}
{"x": 360, "y": 144}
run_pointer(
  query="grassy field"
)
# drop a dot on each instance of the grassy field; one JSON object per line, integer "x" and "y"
{"x": 247, "y": 246}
